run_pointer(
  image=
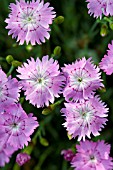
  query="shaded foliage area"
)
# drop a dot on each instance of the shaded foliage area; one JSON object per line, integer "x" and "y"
{"x": 78, "y": 36}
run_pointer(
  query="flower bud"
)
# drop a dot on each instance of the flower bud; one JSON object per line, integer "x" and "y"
{"x": 22, "y": 158}
{"x": 44, "y": 142}
{"x": 57, "y": 51}
{"x": 59, "y": 20}
{"x": 104, "y": 30}
{"x": 29, "y": 47}
{"x": 9, "y": 59}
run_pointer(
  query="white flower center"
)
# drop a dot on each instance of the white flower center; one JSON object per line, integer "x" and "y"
{"x": 79, "y": 79}
{"x": 15, "y": 127}
{"x": 93, "y": 159}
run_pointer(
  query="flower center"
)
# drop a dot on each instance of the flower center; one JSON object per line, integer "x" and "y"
{"x": 80, "y": 79}
{"x": 40, "y": 80}
{"x": 92, "y": 157}
{"x": 14, "y": 125}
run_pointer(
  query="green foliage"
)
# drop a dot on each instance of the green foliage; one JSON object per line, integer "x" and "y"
{"x": 78, "y": 36}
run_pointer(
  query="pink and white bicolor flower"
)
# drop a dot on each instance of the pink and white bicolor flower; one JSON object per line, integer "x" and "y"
{"x": 42, "y": 81}
{"x": 16, "y": 126}
{"x": 29, "y": 21}
{"x": 85, "y": 118}
{"x": 83, "y": 79}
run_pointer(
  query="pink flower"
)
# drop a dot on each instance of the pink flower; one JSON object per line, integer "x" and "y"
{"x": 68, "y": 154}
{"x": 83, "y": 80}
{"x": 29, "y": 21}
{"x": 82, "y": 119}
{"x": 99, "y": 7}
{"x": 9, "y": 90}
{"x": 22, "y": 158}
{"x": 16, "y": 126}
{"x": 107, "y": 62}
{"x": 5, "y": 153}
{"x": 41, "y": 80}
{"x": 92, "y": 156}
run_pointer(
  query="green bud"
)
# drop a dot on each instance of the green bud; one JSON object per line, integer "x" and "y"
{"x": 44, "y": 142}
{"x": 57, "y": 51}
{"x": 51, "y": 107}
{"x": 111, "y": 25}
{"x": 104, "y": 30}
{"x": 9, "y": 59}
{"x": 59, "y": 20}
{"x": 48, "y": 110}
{"x": 16, "y": 63}
{"x": 29, "y": 47}
{"x": 14, "y": 45}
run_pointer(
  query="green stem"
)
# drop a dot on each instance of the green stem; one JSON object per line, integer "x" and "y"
{"x": 93, "y": 27}
{"x": 10, "y": 70}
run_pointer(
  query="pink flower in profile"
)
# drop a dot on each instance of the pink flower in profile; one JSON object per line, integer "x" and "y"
{"x": 83, "y": 79}
{"x": 16, "y": 126}
{"x": 99, "y": 7}
{"x": 92, "y": 156}
{"x": 82, "y": 119}
{"x": 5, "y": 153}
{"x": 107, "y": 61}
{"x": 22, "y": 158}
{"x": 29, "y": 21}
{"x": 9, "y": 90}
{"x": 41, "y": 80}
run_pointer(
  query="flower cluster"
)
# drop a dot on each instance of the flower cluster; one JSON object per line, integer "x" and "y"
{"x": 15, "y": 125}
{"x": 41, "y": 80}
{"x": 84, "y": 113}
{"x": 29, "y": 21}
{"x": 15, "y": 130}
{"x": 99, "y": 7}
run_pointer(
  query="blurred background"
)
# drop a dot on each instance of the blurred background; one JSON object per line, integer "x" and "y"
{"x": 79, "y": 35}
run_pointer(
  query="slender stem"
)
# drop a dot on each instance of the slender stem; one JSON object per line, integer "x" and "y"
{"x": 10, "y": 70}
{"x": 93, "y": 27}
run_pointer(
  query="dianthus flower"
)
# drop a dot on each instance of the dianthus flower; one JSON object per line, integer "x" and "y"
{"x": 42, "y": 80}
{"x": 83, "y": 78}
{"x": 107, "y": 61}
{"x": 16, "y": 126}
{"x": 99, "y": 7}
{"x": 92, "y": 156}
{"x": 29, "y": 21}
{"x": 9, "y": 90}
{"x": 85, "y": 118}
{"x": 22, "y": 158}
